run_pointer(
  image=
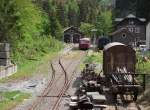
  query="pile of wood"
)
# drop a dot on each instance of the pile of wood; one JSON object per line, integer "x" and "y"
{"x": 4, "y": 54}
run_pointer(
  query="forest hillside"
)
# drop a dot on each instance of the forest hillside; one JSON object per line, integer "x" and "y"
{"x": 35, "y": 27}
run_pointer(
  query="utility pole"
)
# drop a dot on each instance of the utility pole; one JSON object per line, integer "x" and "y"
{"x": 94, "y": 37}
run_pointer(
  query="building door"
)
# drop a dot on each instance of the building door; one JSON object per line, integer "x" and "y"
{"x": 67, "y": 38}
{"x": 76, "y": 38}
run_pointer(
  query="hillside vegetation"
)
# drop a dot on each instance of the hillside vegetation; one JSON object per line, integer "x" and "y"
{"x": 35, "y": 27}
{"x": 138, "y": 7}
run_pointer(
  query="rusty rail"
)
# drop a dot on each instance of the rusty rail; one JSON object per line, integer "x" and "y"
{"x": 66, "y": 86}
{"x": 137, "y": 107}
{"x": 62, "y": 91}
{"x": 46, "y": 90}
{"x": 50, "y": 85}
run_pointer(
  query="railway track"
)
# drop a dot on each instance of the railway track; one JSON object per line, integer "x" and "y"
{"x": 50, "y": 86}
{"x": 60, "y": 95}
{"x": 46, "y": 90}
{"x": 56, "y": 106}
{"x": 52, "y": 95}
{"x": 132, "y": 106}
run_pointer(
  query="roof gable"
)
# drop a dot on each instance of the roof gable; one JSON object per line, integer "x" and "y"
{"x": 72, "y": 28}
{"x": 130, "y": 16}
{"x": 121, "y": 30}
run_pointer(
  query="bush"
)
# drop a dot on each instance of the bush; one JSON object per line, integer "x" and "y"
{"x": 86, "y": 28}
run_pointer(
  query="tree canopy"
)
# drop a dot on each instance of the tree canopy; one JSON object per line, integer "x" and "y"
{"x": 23, "y": 23}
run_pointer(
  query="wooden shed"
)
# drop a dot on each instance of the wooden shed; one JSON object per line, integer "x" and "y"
{"x": 72, "y": 35}
{"x": 118, "y": 56}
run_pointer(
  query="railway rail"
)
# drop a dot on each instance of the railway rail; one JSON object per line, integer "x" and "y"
{"x": 56, "y": 106}
{"x": 49, "y": 87}
{"x": 63, "y": 88}
{"x": 65, "y": 77}
{"x": 128, "y": 106}
{"x": 46, "y": 90}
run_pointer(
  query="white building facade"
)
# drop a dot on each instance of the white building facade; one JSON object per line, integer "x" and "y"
{"x": 148, "y": 36}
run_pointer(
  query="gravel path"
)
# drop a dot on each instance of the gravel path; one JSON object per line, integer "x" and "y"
{"x": 70, "y": 60}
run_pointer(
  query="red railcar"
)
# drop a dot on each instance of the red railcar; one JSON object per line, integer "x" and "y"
{"x": 84, "y": 43}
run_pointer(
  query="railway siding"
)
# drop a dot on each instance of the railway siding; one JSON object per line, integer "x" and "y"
{"x": 51, "y": 93}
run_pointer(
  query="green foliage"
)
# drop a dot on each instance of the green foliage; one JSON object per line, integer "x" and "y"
{"x": 27, "y": 27}
{"x": 73, "y": 12}
{"x": 94, "y": 57}
{"x": 33, "y": 51}
{"x": 104, "y": 22}
{"x": 11, "y": 99}
{"x": 142, "y": 65}
{"x": 73, "y": 5}
{"x": 7, "y": 18}
{"x": 30, "y": 20}
{"x": 33, "y": 28}
{"x": 62, "y": 14}
{"x": 86, "y": 28}
{"x": 89, "y": 10}
{"x": 105, "y": 4}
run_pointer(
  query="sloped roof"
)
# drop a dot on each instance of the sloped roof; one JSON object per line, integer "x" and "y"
{"x": 130, "y": 16}
{"x": 88, "y": 39}
{"x": 112, "y": 45}
{"x": 121, "y": 30}
{"x": 115, "y": 44}
{"x": 73, "y": 28}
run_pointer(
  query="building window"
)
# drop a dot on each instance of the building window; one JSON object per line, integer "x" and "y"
{"x": 131, "y": 29}
{"x": 137, "y": 30}
{"x": 124, "y": 35}
{"x": 131, "y": 22}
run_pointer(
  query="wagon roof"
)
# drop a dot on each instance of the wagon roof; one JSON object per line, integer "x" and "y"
{"x": 112, "y": 45}
{"x": 85, "y": 39}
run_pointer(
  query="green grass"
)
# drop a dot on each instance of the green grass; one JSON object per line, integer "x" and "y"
{"x": 144, "y": 67}
{"x": 8, "y": 100}
{"x": 141, "y": 66}
{"x": 29, "y": 57}
{"x": 30, "y": 67}
{"x": 94, "y": 57}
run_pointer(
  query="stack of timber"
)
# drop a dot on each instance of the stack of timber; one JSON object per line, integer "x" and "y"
{"x": 6, "y": 67}
{"x": 4, "y": 54}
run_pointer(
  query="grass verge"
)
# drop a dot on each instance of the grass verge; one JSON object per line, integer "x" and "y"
{"x": 30, "y": 67}
{"x": 92, "y": 57}
{"x": 10, "y": 99}
{"x": 142, "y": 65}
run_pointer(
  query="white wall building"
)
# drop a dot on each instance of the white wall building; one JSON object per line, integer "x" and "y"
{"x": 148, "y": 36}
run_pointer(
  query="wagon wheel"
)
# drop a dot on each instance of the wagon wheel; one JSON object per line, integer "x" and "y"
{"x": 135, "y": 94}
{"x": 114, "y": 97}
